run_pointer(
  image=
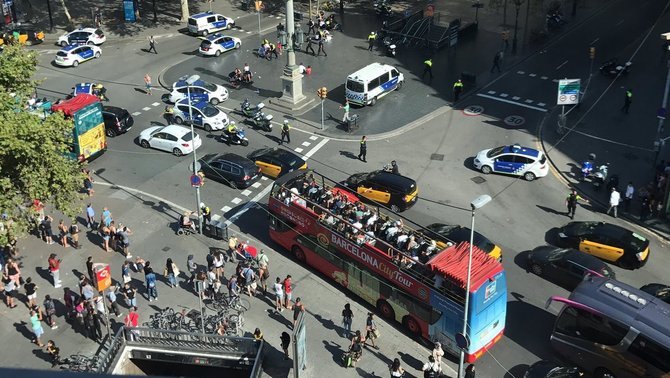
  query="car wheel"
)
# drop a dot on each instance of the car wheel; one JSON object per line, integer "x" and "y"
{"x": 110, "y": 133}
{"x": 97, "y": 55}
{"x": 486, "y": 169}
{"x": 90, "y": 43}
{"x": 178, "y": 120}
{"x": 536, "y": 269}
{"x": 529, "y": 176}
{"x": 205, "y": 32}
{"x": 233, "y": 184}
{"x": 237, "y": 45}
{"x": 63, "y": 43}
{"x": 217, "y": 53}
{"x": 229, "y": 26}
{"x": 177, "y": 152}
{"x": 208, "y": 128}
{"x": 144, "y": 144}
{"x": 214, "y": 101}
{"x": 75, "y": 63}
{"x": 395, "y": 208}
{"x": 398, "y": 86}
{"x": 373, "y": 101}
{"x": 244, "y": 143}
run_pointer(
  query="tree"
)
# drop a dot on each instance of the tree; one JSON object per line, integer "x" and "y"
{"x": 184, "y": 11}
{"x": 67, "y": 13}
{"x": 33, "y": 161}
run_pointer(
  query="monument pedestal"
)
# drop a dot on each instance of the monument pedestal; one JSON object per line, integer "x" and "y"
{"x": 292, "y": 97}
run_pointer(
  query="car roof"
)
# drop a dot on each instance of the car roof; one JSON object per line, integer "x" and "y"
{"x": 176, "y": 130}
{"x": 69, "y": 48}
{"x": 370, "y": 71}
{"x": 233, "y": 158}
{"x": 277, "y": 153}
{"x": 205, "y": 14}
{"x": 195, "y": 103}
{"x": 88, "y": 30}
{"x": 518, "y": 149}
{"x": 114, "y": 109}
{"x": 181, "y": 83}
{"x": 392, "y": 180}
{"x": 212, "y": 37}
{"x": 573, "y": 255}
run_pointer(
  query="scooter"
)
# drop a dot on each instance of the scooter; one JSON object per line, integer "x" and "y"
{"x": 586, "y": 170}
{"x": 600, "y": 176}
{"x": 262, "y": 121}
{"x": 237, "y": 138}
{"x": 250, "y": 111}
{"x": 389, "y": 45}
{"x": 612, "y": 69}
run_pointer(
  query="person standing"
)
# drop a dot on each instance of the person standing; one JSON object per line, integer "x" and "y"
{"x": 113, "y": 304}
{"x": 147, "y": 84}
{"x": 571, "y": 203}
{"x": 470, "y": 371}
{"x": 62, "y": 233}
{"x": 90, "y": 216}
{"x": 371, "y": 40}
{"x": 321, "y": 49}
{"x": 54, "y": 353}
{"x": 628, "y": 196}
{"x": 427, "y": 68}
{"x": 150, "y": 280}
{"x": 371, "y": 332}
{"x": 298, "y": 308}
{"x": 458, "y": 89}
{"x": 347, "y": 320}
{"x": 169, "y": 114}
{"x": 438, "y": 353}
{"x": 152, "y": 45}
{"x": 363, "y": 151}
{"x": 206, "y": 213}
{"x": 345, "y": 117}
{"x": 285, "y": 132}
{"x": 48, "y": 232}
{"x": 31, "y": 292}
{"x": 36, "y": 324}
{"x": 131, "y": 321}
{"x": 54, "y": 269}
{"x": 627, "y": 100}
{"x": 50, "y": 311}
{"x": 74, "y": 234}
{"x": 10, "y": 290}
{"x": 615, "y": 197}
{"x": 279, "y": 294}
{"x": 497, "y": 59}
{"x": 430, "y": 369}
{"x": 192, "y": 268}
{"x": 131, "y": 295}
{"x": 263, "y": 269}
{"x": 171, "y": 272}
{"x": 89, "y": 268}
{"x": 288, "y": 291}
{"x": 396, "y": 370}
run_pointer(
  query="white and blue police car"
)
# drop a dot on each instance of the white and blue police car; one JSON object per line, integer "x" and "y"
{"x": 513, "y": 160}
{"x": 200, "y": 90}
{"x": 72, "y": 55}
{"x": 218, "y": 43}
{"x": 205, "y": 115}
{"x": 207, "y": 23}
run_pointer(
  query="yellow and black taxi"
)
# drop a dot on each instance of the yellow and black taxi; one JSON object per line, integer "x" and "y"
{"x": 390, "y": 189}
{"x": 26, "y": 34}
{"x": 445, "y": 234}
{"x": 276, "y": 162}
{"x": 606, "y": 241}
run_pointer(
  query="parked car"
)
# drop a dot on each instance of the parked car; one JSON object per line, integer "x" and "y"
{"x": 393, "y": 190}
{"x": 231, "y": 169}
{"x": 549, "y": 369}
{"x": 275, "y": 162}
{"x": 117, "y": 120}
{"x": 171, "y": 138}
{"x": 564, "y": 266}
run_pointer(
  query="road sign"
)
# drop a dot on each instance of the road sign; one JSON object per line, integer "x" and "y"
{"x": 473, "y": 110}
{"x": 196, "y": 181}
{"x": 514, "y": 120}
{"x": 103, "y": 276}
{"x": 197, "y": 167}
{"x": 568, "y": 91}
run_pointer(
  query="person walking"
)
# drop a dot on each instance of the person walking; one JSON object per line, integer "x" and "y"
{"x": 90, "y": 217}
{"x": 396, "y": 370}
{"x": 263, "y": 270}
{"x": 298, "y": 308}
{"x": 288, "y": 291}
{"x": 458, "y": 89}
{"x": 54, "y": 269}
{"x": 74, "y": 234}
{"x": 31, "y": 292}
{"x": 171, "y": 272}
{"x": 497, "y": 59}
{"x": 571, "y": 203}
{"x": 321, "y": 49}
{"x": 278, "y": 288}
{"x": 147, "y": 84}
{"x": 285, "y": 343}
{"x": 152, "y": 45}
{"x": 150, "y": 280}
{"x": 628, "y": 196}
{"x": 36, "y": 325}
{"x": 427, "y": 68}
{"x": 89, "y": 268}
{"x": 437, "y": 354}
{"x": 363, "y": 150}
{"x": 309, "y": 46}
{"x": 345, "y": 117}
{"x": 192, "y": 268}
{"x": 627, "y": 100}
{"x": 430, "y": 369}
{"x": 371, "y": 332}
{"x": 615, "y": 197}
{"x": 285, "y": 132}
{"x": 356, "y": 347}
{"x": 470, "y": 371}
{"x": 347, "y": 320}
{"x": 113, "y": 304}
{"x": 371, "y": 40}
{"x": 50, "y": 311}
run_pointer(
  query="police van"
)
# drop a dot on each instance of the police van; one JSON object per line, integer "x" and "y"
{"x": 371, "y": 82}
{"x": 207, "y": 22}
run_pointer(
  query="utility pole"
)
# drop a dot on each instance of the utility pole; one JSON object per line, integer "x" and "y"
{"x": 659, "y": 143}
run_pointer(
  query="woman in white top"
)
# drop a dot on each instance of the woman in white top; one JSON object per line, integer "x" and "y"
{"x": 279, "y": 294}
{"x": 438, "y": 353}
{"x": 396, "y": 370}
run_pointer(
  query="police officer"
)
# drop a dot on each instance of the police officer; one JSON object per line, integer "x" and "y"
{"x": 458, "y": 89}
{"x": 363, "y": 149}
{"x": 571, "y": 203}
{"x": 206, "y": 213}
{"x": 285, "y": 132}
{"x": 627, "y": 100}
{"x": 427, "y": 68}
{"x": 321, "y": 49}
{"x": 371, "y": 40}
{"x": 169, "y": 114}
{"x": 309, "y": 45}
{"x": 232, "y": 131}
{"x": 273, "y": 51}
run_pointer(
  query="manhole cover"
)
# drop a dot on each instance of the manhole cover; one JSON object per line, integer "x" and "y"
{"x": 165, "y": 249}
{"x": 478, "y": 180}
{"x": 438, "y": 157}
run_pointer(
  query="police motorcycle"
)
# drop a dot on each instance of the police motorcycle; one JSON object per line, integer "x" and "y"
{"x": 95, "y": 89}
{"x": 587, "y": 167}
{"x": 612, "y": 68}
{"x": 237, "y": 137}
{"x": 389, "y": 45}
{"x": 598, "y": 178}
{"x": 248, "y": 110}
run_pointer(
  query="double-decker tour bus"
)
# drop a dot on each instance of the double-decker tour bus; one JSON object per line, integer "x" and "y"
{"x": 392, "y": 266}
{"x": 88, "y": 131}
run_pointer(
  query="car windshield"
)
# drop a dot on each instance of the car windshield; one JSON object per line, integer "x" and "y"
{"x": 210, "y": 111}
{"x": 157, "y": 131}
{"x": 581, "y": 228}
{"x": 495, "y": 151}
{"x": 187, "y": 137}
{"x": 556, "y": 254}
{"x": 638, "y": 242}
{"x": 355, "y": 86}
{"x": 210, "y": 87}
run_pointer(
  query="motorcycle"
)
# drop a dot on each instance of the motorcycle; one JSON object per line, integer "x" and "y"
{"x": 238, "y": 138}
{"x": 612, "y": 69}
{"x": 600, "y": 176}
{"x": 250, "y": 111}
{"x": 95, "y": 89}
{"x": 555, "y": 19}
{"x": 389, "y": 45}
{"x": 262, "y": 121}
{"x": 586, "y": 170}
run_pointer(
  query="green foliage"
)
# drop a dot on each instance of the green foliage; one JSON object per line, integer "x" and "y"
{"x": 33, "y": 161}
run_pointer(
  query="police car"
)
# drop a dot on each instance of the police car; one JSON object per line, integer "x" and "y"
{"x": 513, "y": 160}
{"x": 216, "y": 44}
{"x": 82, "y": 36}
{"x": 204, "y": 115}
{"x": 207, "y": 22}
{"x": 72, "y": 55}
{"x": 199, "y": 90}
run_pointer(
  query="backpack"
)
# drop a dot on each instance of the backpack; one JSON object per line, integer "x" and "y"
{"x": 430, "y": 373}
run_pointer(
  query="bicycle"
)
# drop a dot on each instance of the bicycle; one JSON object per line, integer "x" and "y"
{"x": 80, "y": 363}
{"x": 223, "y": 302}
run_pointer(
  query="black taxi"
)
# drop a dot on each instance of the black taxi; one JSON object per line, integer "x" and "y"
{"x": 390, "y": 189}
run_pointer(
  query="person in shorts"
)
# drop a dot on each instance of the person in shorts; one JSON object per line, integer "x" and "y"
{"x": 288, "y": 291}
{"x": 371, "y": 330}
{"x": 279, "y": 294}
{"x": 36, "y": 324}
{"x": 31, "y": 292}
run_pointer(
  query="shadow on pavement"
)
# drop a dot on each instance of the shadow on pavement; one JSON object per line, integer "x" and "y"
{"x": 516, "y": 371}
{"x": 526, "y": 324}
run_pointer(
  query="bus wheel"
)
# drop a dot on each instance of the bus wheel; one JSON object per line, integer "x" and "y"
{"x": 298, "y": 253}
{"x": 412, "y": 325}
{"x": 385, "y": 309}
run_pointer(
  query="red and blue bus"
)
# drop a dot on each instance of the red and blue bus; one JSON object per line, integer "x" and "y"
{"x": 412, "y": 281}
{"x": 88, "y": 127}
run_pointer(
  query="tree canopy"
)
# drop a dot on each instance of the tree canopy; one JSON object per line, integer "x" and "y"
{"x": 33, "y": 160}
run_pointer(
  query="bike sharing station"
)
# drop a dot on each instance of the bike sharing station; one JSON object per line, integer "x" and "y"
{"x": 568, "y": 94}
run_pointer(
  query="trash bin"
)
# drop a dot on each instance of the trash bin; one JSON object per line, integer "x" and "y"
{"x": 216, "y": 230}
{"x": 352, "y": 123}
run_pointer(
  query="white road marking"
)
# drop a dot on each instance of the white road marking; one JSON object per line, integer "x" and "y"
{"x": 532, "y": 75}
{"x": 521, "y": 72}
{"x": 541, "y": 104}
{"x": 544, "y": 77}
{"x": 267, "y": 189}
{"x": 226, "y": 209}
{"x": 511, "y": 102}
{"x": 298, "y": 150}
{"x": 306, "y": 144}
{"x": 491, "y": 92}
{"x": 595, "y": 40}
{"x": 236, "y": 200}
{"x": 246, "y": 192}
{"x": 504, "y": 95}
{"x": 256, "y": 185}
{"x": 561, "y": 65}
{"x": 264, "y": 178}
{"x": 528, "y": 101}
{"x": 516, "y": 98}
{"x": 137, "y": 113}
{"x": 146, "y": 109}
{"x": 248, "y": 32}
{"x": 155, "y": 104}
{"x": 555, "y": 80}
{"x": 313, "y": 137}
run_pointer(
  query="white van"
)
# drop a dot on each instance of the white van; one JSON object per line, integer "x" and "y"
{"x": 207, "y": 22}
{"x": 371, "y": 82}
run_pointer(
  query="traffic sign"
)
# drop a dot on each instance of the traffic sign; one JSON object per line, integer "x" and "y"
{"x": 196, "y": 181}
{"x": 103, "y": 276}
{"x": 568, "y": 91}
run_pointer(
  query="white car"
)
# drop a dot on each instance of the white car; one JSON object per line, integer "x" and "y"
{"x": 513, "y": 160}
{"x": 72, "y": 55}
{"x": 171, "y": 138}
{"x": 200, "y": 91}
{"x": 204, "y": 115}
{"x": 216, "y": 44}
{"x": 82, "y": 36}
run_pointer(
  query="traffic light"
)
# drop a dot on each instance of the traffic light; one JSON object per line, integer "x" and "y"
{"x": 592, "y": 52}
{"x": 322, "y": 93}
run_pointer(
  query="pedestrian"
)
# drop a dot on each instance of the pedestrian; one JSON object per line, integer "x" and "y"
{"x": 93, "y": 324}
{"x": 363, "y": 150}
{"x": 356, "y": 347}
{"x": 130, "y": 293}
{"x": 312, "y": 27}
{"x": 150, "y": 281}
{"x": 218, "y": 263}
{"x": 233, "y": 288}
{"x": 628, "y": 196}
{"x": 171, "y": 272}
{"x": 645, "y": 209}
{"x": 114, "y": 235}
{"x": 628, "y": 98}
{"x": 192, "y": 268}
{"x": 54, "y": 353}
{"x": 13, "y": 272}
{"x": 152, "y": 45}
{"x": 371, "y": 40}
{"x": 309, "y": 46}
{"x": 249, "y": 280}
{"x": 50, "y": 311}
{"x": 285, "y": 132}
{"x": 125, "y": 272}
{"x": 345, "y": 117}
{"x": 470, "y": 371}
{"x": 321, "y": 49}
{"x": 206, "y": 213}
{"x": 106, "y": 217}
{"x": 347, "y": 320}
{"x": 106, "y": 234}
{"x": 396, "y": 370}
{"x": 31, "y": 292}
{"x": 46, "y": 229}
{"x": 571, "y": 203}
{"x": 36, "y": 324}
{"x": 113, "y": 304}
{"x": 147, "y": 84}
{"x": 427, "y": 68}
{"x": 371, "y": 331}
{"x": 258, "y": 334}
{"x": 438, "y": 353}
{"x": 279, "y": 294}
{"x": 54, "y": 269}
{"x": 298, "y": 308}
{"x": 430, "y": 368}
{"x": 246, "y": 74}
{"x": 497, "y": 59}
{"x": 169, "y": 114}
{"x": 10, "y": 291}
{"x": 232, "y": 245}
{"x": 74, "y": 234}
{"x": 273, "y": 51}
{"x": 89, "y": 268}
{"x": 458, "y": 89}
{"x": 263, "y": 270}
{"x": 131, "y": 321}
{"x": 285, "y": 343}
{"x": 88, "y": 183}
{"x": 288, "y": 291}
{"x": 615, "y": 196}
{"x": 69, "y": 300}
{"x": 90, "y": 217}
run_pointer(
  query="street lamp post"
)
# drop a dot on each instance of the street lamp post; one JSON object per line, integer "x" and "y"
{"x": 190, "y": 81}
{"x": 477, "y": 203}
{"x": 517, "y": 3}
